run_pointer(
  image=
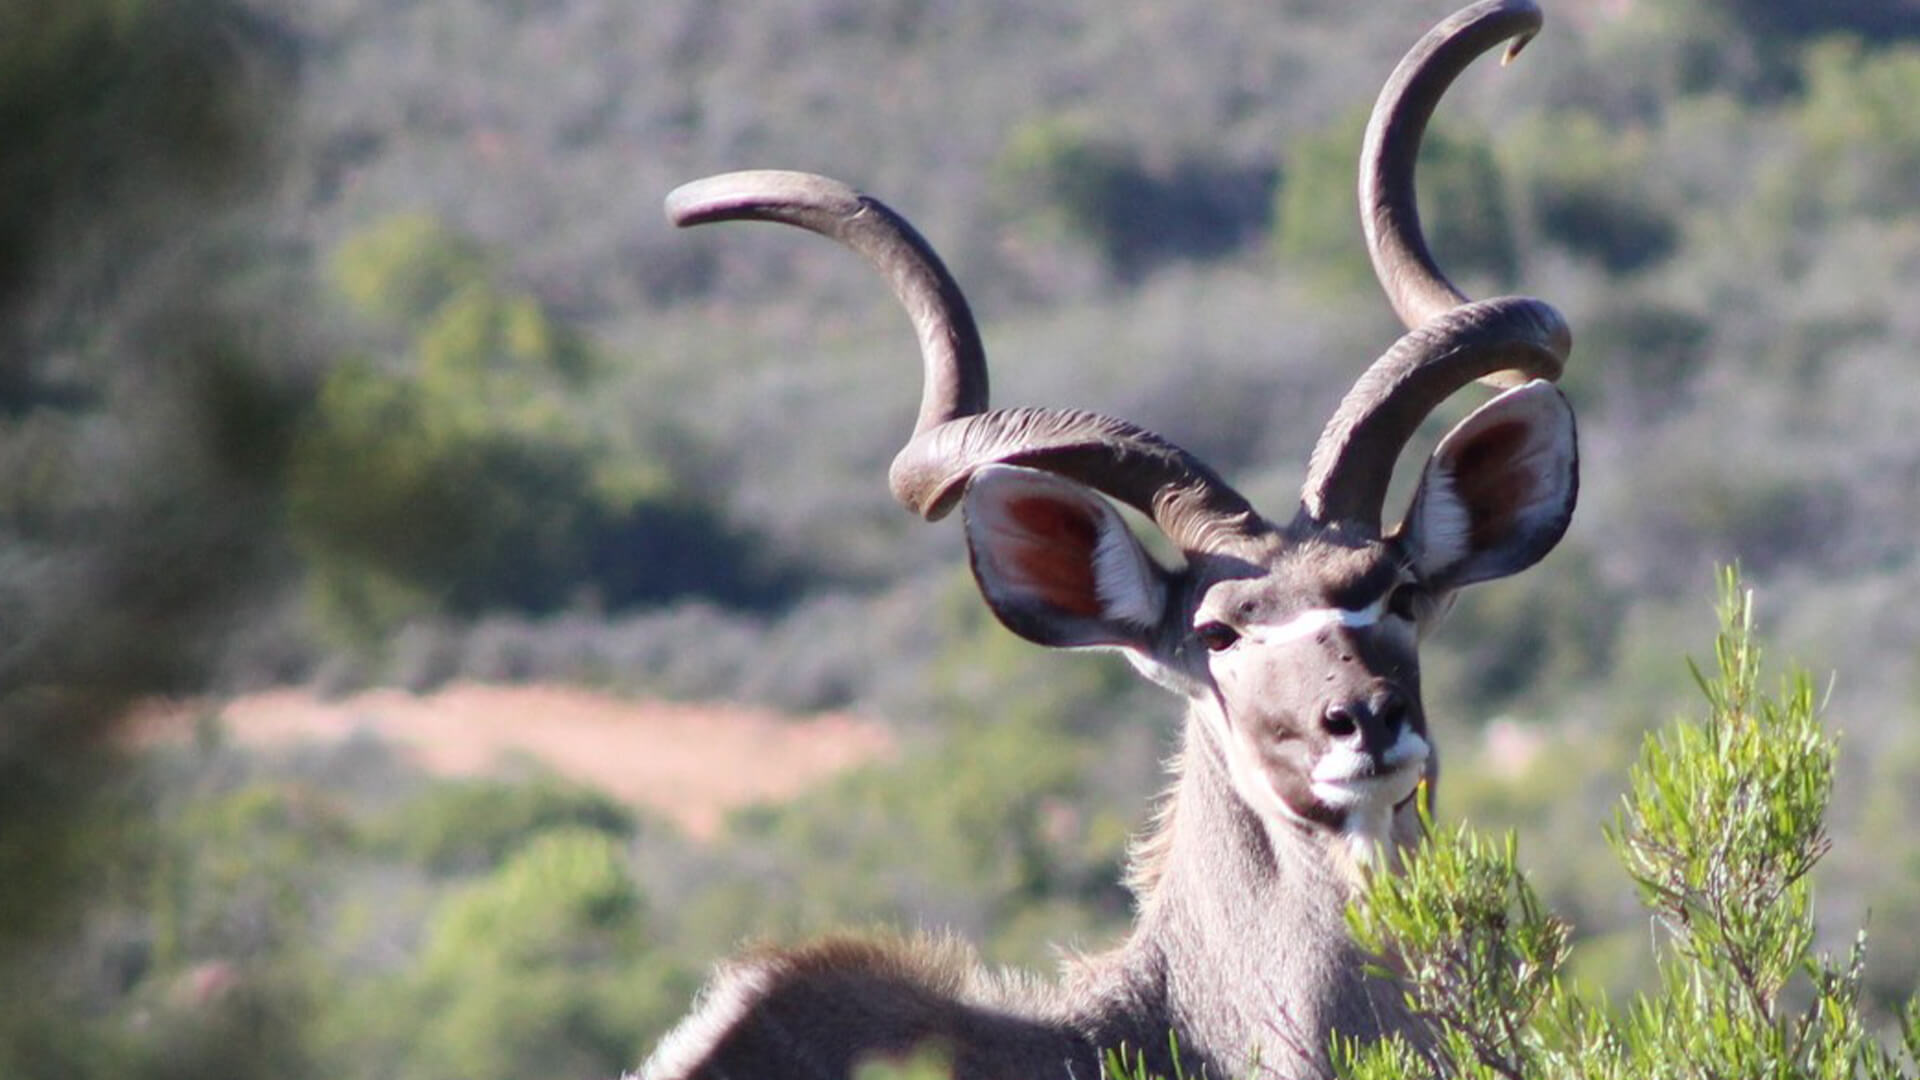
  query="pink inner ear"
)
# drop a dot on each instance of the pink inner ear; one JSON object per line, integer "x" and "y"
{"x": 1488, "y": 477}
{"x": 1053, "y": 555}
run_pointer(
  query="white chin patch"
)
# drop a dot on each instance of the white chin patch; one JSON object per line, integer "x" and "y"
{"x": 1344, "y": 779}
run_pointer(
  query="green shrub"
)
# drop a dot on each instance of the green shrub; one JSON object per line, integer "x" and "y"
{"x": 405, "y": 267}
{"x": 997, "y": 820}
{"x": 1723, "y": 823}
{"x": 1462, "y": 202}
{"x": 1586, "y": 189}
{"x": 1063, "y": 181}
{"x": 474, "y": 473}
{"x": 472, "y": 826}
{"x": 540, "y": 969}
{"x": 1640, "y": 353}
{"x": 1861, "y": 132}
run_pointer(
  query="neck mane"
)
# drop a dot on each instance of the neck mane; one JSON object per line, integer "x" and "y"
{"x": 1241, "y": 944}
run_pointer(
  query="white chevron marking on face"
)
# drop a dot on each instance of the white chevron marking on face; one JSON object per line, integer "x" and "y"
{"x": 1313, "y": 620}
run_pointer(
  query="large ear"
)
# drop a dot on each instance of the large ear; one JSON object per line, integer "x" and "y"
{"x": 1057, "y": 563}
{"x": 1498, "y": 492}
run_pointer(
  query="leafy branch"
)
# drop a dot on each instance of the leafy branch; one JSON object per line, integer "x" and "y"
{"x": 1722, "y": 823}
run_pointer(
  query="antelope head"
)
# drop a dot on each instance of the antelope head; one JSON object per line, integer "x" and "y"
{"x": 1294, "y": 638}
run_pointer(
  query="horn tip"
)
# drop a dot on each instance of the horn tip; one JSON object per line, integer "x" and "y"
{"x": 755, "y": 193}
{"x": 692, "y": 203}
{"x": 1515, "y": 47}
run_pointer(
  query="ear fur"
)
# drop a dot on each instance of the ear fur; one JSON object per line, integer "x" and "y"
{"x": 1056, "y": 563}
{"x": 1499, "y": 490}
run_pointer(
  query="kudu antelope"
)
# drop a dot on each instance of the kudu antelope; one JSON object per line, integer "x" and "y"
{"x": 1294, "y": 643}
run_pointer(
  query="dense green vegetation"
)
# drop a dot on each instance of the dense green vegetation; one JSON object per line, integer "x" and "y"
{"x": 1721, "y": 827}
{"x": 343, "y": 342}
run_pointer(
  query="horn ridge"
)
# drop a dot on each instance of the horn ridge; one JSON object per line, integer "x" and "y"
{"x": 1504, "y": 341}
{"x": 1189, "y": 502}
{"x": 954, "y": 435}
{"x": 1389, "y": 214}
{"x": 953, "y": 358}
{"x": 1451, "y": 340}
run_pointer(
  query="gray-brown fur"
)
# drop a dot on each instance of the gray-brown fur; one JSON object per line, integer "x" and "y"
{"x": 1294, "y": 643}
{"x": 1241, "y": 955}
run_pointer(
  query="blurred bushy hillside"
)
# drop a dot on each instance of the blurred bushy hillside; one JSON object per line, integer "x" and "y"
{"x": 344, "y": 343}
{"x": 1152, "y": 209}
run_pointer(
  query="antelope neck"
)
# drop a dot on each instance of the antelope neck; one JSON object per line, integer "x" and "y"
{"x": 1243, "y": 916}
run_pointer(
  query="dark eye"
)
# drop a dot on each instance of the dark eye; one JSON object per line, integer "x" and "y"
{"x": 1216, "y": 636}
{"x": 1404, "y": 601}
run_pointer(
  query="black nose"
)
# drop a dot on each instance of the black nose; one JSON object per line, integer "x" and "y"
{"x": 1371, "y": 724}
